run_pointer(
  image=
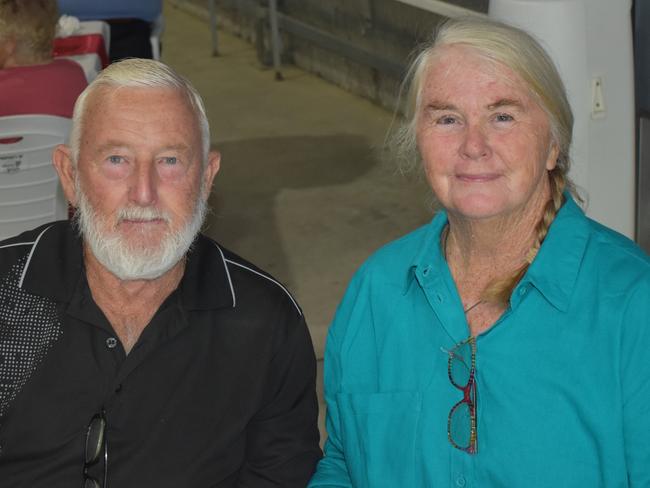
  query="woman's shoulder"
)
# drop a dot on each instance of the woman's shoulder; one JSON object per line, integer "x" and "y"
{"x": 615, "y": 261}
{"x": 398, "y": 256}
{"x": 613, "y": 247}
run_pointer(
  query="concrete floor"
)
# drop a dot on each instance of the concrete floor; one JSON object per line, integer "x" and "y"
{"x": 302, "y": 191}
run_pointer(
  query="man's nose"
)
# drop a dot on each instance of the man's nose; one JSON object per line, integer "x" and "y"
{"x": 475, "y": 144}
{"x": 144, "y": 191}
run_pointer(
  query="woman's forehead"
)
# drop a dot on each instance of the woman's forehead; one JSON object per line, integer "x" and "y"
{"x": 458, "y": 69}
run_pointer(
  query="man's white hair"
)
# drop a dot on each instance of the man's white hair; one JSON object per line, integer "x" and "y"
{"x": 139, "y": 73}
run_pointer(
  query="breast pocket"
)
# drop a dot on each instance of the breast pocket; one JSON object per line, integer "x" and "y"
{"x": 380, "y": 433}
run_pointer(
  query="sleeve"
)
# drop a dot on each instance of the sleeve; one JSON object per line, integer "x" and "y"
{"x": 282, "y": 440}
{"x": 332, "y": 470}
{"x": 635, "y": 371}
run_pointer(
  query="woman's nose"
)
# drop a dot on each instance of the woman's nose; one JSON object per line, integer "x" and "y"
{"x": 475, "y": 144}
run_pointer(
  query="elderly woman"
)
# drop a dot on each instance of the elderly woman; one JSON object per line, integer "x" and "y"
{"x": 506, "y": 343}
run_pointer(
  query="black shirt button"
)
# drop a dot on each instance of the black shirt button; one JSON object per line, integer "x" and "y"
{"x": 118, "y": 388}
{"x": 111, "y": 342}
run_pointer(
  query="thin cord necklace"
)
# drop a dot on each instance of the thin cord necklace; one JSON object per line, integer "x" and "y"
{"x": 445, "y": 236}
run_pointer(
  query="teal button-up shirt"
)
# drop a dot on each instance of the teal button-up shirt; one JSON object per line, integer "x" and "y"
{"x": 563, "y": 377}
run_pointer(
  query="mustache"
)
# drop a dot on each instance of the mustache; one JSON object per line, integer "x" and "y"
{"x": 142, "y": 213}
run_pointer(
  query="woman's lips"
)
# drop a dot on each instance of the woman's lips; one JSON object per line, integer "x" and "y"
{"x": 477, "y": 178}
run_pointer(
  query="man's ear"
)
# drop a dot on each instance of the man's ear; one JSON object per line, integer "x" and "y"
{"x": 62, "y": 161}
{"x": 210, "y": 171}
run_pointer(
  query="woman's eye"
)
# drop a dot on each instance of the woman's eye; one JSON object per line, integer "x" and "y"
{"x": 446, "y": 120}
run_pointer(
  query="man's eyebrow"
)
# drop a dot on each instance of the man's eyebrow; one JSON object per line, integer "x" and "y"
{"x": 176, "y": 147}
{"x": 506, "y": 102}
{"x": 110, "y": 145}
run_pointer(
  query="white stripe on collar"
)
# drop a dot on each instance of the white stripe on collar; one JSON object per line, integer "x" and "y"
{"x": 232, "y": 289}
{"x": 17, "y": 244}
{"x": 29, "y": 258}
{"x": 268, "y": 278}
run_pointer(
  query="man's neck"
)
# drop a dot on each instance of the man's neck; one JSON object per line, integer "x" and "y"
{"x": 129, "y": 305}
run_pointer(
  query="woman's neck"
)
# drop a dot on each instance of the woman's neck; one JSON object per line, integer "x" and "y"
{"x": 482, "y": 250}
{"x": 16, "y": 61}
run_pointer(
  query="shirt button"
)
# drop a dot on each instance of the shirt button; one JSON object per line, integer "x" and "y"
{"x": 111, "y": 342}
{"x": 118, "y": 388}
{"x": 460, "y": 481}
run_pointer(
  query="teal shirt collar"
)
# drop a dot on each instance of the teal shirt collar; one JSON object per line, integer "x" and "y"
{"x": 562, "y": 251}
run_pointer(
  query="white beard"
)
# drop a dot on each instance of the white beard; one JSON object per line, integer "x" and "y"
{"x": 129, "y": 261}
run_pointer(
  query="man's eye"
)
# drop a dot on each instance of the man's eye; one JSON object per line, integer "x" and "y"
{"x": 504, "y": 118}
{"x": 115, "y": 159}
{"x": 170, "y": 160}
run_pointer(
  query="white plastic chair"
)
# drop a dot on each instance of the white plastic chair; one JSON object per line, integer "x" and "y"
{"x": 91, "y": 62}
{"x": 30, "y": 193}
{"x": 157, "y": 29}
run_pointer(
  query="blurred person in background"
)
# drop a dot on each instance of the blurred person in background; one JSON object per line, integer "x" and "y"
{"x": 31, "y": 81}
{"x": 506, "y": 343}
{"x": 130, "y": 20}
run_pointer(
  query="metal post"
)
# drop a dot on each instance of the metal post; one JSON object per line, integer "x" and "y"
{"x": 213, "y": 27}
{"x": 275, "y": 38}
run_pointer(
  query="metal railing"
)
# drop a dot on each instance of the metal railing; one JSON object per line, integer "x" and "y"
{"x": 279, "y": 21}
{"x": 440, "y": 7}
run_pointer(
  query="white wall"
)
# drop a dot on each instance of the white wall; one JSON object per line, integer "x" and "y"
{"x": 591, "y": 39}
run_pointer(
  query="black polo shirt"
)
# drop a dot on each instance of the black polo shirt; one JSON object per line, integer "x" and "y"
{"x": 219, "y": 390}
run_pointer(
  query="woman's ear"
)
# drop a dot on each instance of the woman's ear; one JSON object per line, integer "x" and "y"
{"x": 553, "y": 155}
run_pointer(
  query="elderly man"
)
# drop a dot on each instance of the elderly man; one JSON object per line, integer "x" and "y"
{"x": 134, "y": 351}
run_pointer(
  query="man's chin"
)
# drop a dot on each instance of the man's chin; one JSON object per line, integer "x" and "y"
{"x": 139, "y": 265}
{"x": 143, "y": 227}
{"x": 140, "y": 275}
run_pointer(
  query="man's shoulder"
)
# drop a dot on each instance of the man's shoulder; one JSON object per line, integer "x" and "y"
{"x": 250, "y": 286}
{"x": 15, "y": 250}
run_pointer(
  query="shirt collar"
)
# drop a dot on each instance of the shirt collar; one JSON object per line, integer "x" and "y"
{"x": 206, "y": 283}
{"x": 55, "y": 265}
{"x": 429, "y": 255}
{"x": 555, "y": 268}
{"x": 553, "y": 271}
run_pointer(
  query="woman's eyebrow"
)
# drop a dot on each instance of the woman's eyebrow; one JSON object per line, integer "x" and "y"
{"x": 506, "y": 102}
{"x": 437, "y": 105}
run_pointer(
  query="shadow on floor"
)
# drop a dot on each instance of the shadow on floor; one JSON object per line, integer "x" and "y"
{"x": 253, "y": 173}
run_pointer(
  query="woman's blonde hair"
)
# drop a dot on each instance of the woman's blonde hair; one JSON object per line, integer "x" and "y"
{"x": 517, "y": 50}
{"x": 32, "y": 25}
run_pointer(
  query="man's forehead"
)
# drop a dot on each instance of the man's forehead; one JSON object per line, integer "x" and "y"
{"x": 108, "y": 104}
{"x": 109, "y": 94}
{"x": 127, "y": 116}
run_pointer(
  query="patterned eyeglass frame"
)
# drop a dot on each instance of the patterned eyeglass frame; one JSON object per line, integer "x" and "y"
{"x": 469, "y": 395}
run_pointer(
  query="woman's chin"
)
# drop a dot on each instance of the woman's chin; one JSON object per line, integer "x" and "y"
{"x": 478, "y": 207}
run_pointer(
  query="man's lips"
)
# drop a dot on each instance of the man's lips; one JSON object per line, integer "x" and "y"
{"x": 142, "y": 221}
